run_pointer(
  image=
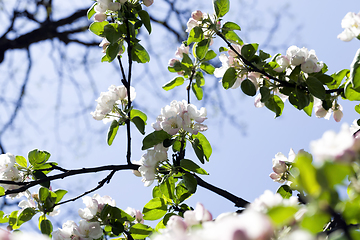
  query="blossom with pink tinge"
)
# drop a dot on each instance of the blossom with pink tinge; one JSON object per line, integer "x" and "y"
{"x": 181, "y": 50}
{"x": 148, "y": 3}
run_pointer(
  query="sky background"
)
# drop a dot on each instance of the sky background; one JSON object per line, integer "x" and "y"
{"x": 244, "y": 138}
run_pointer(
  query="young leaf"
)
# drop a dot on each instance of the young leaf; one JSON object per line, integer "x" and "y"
{"x": 197, "y": 91}
{"x": 2, "y": 192}
{"x": 37, "y": 174}
{"x": 201, "y": 48}
{"x": 167, "y": 188}
{"x": 138, "y": 113}
{"x": 140, "y": 231}
{"x": 275, "y": 104}
{"x": 182, "y": 193}
{"x": 221, "y": 7}
{"x": 233, "y": 37}
{"x": 98, "y": 27}
{"x": 210, "y": 55}
{"x": 191, "y": 166}
{"x": 21, "y": 161}
{"x": 59, "y": 194}
{"x": 37, "y": 157}
{"x": 112, "y": 33}
{"x": 155, "y": 209}
{"x": 145, "y": 19}
{"x": 26, "y": 215}
{"x": 139, "y": 54}
{"x": 207, "y": 67}
{"x": 355, "y": 71}
{"x": 46, "y": 227}
{"x": 154, "y": 138}
{"x": 139, "y": 123}
{"x": 229, "y": 78}
{"x": 230, "y": 26}
{"x": 190, "y": 182}
{"x": 177, "y": 81}
{"x": 285, "y": 191}
{"x": 196, "y": 35}
{"x": 114, "y": 127}
{"x": 350, "y": 93}
{"x": 248, "y": 87}
{"x": 316, "y": 87}
{"x": 249, "y": 50}
{"x": 112, "y": 51}
{"x": 205, "y": 144}
{"x": 91, "y": 11}
{"x": 198, "y": 150}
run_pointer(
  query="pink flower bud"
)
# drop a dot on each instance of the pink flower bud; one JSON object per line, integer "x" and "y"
{"x": 99, "y": 17}
{"x": 197, "y": 15}
{"x": 148, "y": 3}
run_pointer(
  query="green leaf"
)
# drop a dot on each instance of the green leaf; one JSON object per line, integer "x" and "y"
{"x": 181, "y": 192}
{"x": 21, "y": 161}
{"x": 163, "y": 222}
{"x": 357, "y": 108}
{"x": 230, "y": 26}
{"x": 210, "y": 55}
{"x": 139, "y": 123}
{"x": 2, "y": 192}
{"x": 248, "y": 87}
{"x": 316, "y": 87}
{"x": 186, "y": 61}
{"x": 229, "y": 78}
{"x": 233, "y": 37}
{"x": 140, "y": 231}
{"x": 305, "y": 175}
{"x": 177, "y": 145}
{"x": 201, "y": 48}
{"x": 91, "y": 11}
{"x": 114, "y": 127}
{"x": 26, "y": 215}
{"x": 207, "y": 67}
{"x": 167, "y": 188}
{"x": 355, "y": 71}
{"x": 155, "y": 209}
{"x": 265, "y": 94}
{"x": 299, "y": 99}
{"x": 315, "y": 220}
{"x": 59, "y": 194}
{"x": 328, "y": 169}
{"x": 281, "y": 215}
{"x": 112, "y": 51}
{"x": 199, "y": 151}
{"x": 276, "y": 105}
{"x": 350, "y": 93}
{"x": 37, "y": 174}
{"x": 177, "y": 81}
{"x": 337, "y": 78}
{"x": 112, "y": 33}
{"x": 13, "y": 218}
{"x": 145, "y": 19}
{"x": 190, "y": 182}
{"x": 139, "y": 54}
{"x": 46, "y": 227}
{"x": 221, "y": 7}
{"x": 196, "y": 35}
{"x": 43, "y": 194}
{"x": 285, "y": 191}
{"x": 205, "y": 144}
{"x": 263, "y": 55}
{"x": 191, "y": 166}
{"x": 154, "y": 138}
{"x": 98, "y": 27}
{"x": 249, "y": 50}
{"x": 3, "y": 219}
{"x": 138, "y": 113}
{"x": 37, "y": 157}
{"x": 309, "y": 108}
{"x": 197, "y": 91}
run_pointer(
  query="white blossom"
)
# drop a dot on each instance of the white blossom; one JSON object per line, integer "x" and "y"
{"x": 280, "y": 167}
{"x": 351, "y": 25}
{"x": 269, "y": 200}
{"x": 87, "y": 229}
{"x": 7, "y": 162}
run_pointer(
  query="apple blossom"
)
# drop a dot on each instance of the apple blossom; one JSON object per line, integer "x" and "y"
{"x": 94, "y": 205}
{"x": 283, "y": 62}
{"x": 197, "y": 15}
{"x": 66, "y": 232}
{"x": 135, "y": 214}
{"x": 351, "y": 25}
{"x": 354, "y": 128}
{"x": 320, "y": 112}
{"x": 280, "y": 167}
{"x": 180, "y": 116}
{"x": 87, "y": 229}
{"x": 150, "y": 161}
{"x": 341, "y": 147}
{"x": 269, "y": 200}
{"x": 197, "y": 216}
{"x": 7, "y": 161}
{"x": 181, "y": 50}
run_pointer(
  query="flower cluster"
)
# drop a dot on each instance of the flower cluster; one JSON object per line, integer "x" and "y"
{"x": 281, "y": 165}
{"x": 296, "y": 56}
{"x": 351, "y": 25}
{"x": 248, "y": 225}
{"x": 102, "y": 6}
{"x": 180, "y": 117}
{"x": 89, "y": 226}
{"x": 10, "y": 172}
{"x": 342, "y": 147}
{"x": 107, "y": 103}
{"x": 241, "y": 71}
{"x": 203, "y": 20}
{"x": 32, "y": 202}
{"x": 149, "y": 163}
{"x": 320, "y": 111}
